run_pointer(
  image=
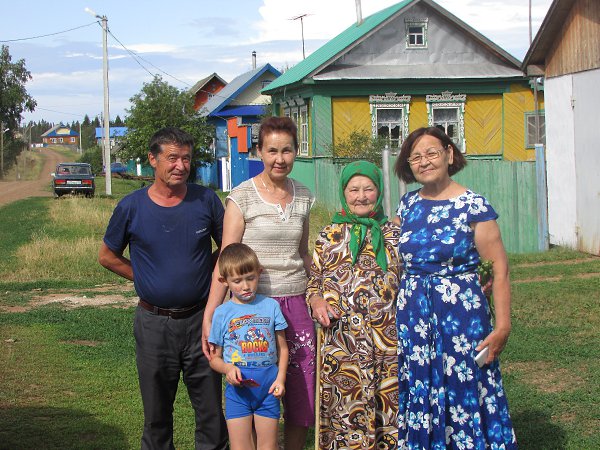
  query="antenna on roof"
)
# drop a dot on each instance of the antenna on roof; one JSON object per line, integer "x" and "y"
{"x": 358, "y": 13}
{"x": 301, "y": 17}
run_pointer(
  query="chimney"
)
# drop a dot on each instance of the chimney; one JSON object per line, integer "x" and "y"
{"x": 358, "y": 13}
{"x": 253, "y": 59}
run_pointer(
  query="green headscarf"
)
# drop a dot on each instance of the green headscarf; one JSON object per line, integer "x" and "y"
{"x": 360, "y": 225}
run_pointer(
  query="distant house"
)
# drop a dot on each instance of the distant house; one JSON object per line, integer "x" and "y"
{"x": 61, "y": 135}
{"x": 410, "y": 65}
{"x": 567, "y": 54}
{"x": 206, "y": 88}
{"x": 115, "y": 134}
{"x": 233, "y": 112}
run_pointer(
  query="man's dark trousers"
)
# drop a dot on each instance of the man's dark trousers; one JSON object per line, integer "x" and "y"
{"x": 164, "y": 348}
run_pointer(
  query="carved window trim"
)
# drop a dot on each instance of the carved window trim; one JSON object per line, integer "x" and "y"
{"x": 447, "y": 100}
{"x": 390, "y": 100}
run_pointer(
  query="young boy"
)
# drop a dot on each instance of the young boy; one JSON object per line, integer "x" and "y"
{"x": 250, "y": 350}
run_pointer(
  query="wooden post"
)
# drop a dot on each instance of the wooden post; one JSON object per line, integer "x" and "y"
{"x": 542, "y": 198}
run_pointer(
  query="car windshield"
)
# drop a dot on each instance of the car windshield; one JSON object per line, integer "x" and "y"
{"x": 73, "y": 170}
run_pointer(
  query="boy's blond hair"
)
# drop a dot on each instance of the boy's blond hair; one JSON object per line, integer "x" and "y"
{"x": 237, "y": 259}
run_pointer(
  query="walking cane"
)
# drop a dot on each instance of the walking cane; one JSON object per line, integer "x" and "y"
{"x": 319, "y": 333}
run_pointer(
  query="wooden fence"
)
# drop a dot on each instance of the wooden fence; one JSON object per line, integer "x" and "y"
{"x": 509, "y": 186}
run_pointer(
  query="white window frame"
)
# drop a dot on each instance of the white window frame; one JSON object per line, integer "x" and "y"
{"x": 416, "y": 23}
{"x": 297, "y": 109}
{"x": 449, "y": 101}
{"x": 72, "y": 139}
{"x": 530, "y": 128}
{"x": 390, "y": 100}
{"x": 265, "y": 83}
{"x": 60, "y": 140}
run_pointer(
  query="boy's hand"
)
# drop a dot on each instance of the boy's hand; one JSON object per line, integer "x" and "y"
{"x": 277, "y": 389}
{"x": 233, "y": 375}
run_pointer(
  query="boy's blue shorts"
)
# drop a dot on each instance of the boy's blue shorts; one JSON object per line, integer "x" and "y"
{"x": 247, "y": 401}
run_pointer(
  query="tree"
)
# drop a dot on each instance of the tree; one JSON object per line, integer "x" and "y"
{"x": 14, "y": 100}
{"x": 159, "y": 105}
{"x": 359, "y": 145}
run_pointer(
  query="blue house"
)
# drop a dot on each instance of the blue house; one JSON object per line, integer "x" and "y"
{"x": 115, "y": 135}
{"x": 235, "y": 112}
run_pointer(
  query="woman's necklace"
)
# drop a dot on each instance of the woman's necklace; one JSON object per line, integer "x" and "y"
{"x": 273, "y": 192}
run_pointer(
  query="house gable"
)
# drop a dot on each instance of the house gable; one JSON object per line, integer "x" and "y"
{"x": 567, "y": 41}
{"x": 375, "y": 30}
{"x": 449, "y": 51}
{"x": 242, "y": 90}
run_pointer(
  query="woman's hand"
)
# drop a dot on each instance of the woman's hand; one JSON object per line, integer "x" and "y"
{"x": 496, "y": 341}
{"x": 322, "y": 311}
{"x": 277, "y": 389}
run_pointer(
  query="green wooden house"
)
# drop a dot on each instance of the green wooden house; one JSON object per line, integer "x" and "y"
{"x": 410, "y": 65}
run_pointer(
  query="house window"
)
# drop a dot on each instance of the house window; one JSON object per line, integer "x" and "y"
{"x": 60, "y": 140}
{"x": 265, "y": 83}
{"x": 303, "y": 129}
{"x": 416, "y": 33}
{"x": 73, "y": 139}
{"x": 447, "y": 112}
{"x": 530, "y": 129}
{"x": 53, "y": 140}
{"x": 389, "y": 118}
{"x": 296, "y": 109}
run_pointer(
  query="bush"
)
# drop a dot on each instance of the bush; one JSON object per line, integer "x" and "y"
{"x": 359, "y": 145}
{"x": 93, "y": 156}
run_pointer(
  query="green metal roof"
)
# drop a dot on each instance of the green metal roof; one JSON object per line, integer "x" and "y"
{"x": 332, "y": 48}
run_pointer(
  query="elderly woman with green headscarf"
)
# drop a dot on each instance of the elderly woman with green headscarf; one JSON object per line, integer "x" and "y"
{"x": 351, "y": 292}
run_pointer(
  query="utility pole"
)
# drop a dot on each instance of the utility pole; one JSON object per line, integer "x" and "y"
{"x": 106, "y": 134}
{"x": 536, "y": 116}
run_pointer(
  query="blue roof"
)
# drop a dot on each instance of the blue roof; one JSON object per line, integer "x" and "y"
{"x": 230, "y": 92}
{"x": 248, "y": 110}
{"x": 112, "y": 131}
{"x": 53, "y": 132}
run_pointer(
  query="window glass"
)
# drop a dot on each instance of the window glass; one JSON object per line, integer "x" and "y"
{"x": 389, "y": 125}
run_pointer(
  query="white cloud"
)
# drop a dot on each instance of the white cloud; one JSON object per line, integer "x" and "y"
{"x": 153, "y": 48}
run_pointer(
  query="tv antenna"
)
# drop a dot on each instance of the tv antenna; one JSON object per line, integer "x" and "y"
{"x": 301, "y": 17}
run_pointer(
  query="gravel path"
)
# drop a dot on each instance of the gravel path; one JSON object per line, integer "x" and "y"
{"x": 11, "y": 191}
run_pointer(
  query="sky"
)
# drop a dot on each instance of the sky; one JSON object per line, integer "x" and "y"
{"x": 184, "y": 41}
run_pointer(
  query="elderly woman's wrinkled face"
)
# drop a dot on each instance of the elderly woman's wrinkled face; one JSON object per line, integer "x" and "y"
{"x": 361, "y": 195}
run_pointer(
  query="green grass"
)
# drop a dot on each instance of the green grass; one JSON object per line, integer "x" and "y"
{"x": 69, "y": 378}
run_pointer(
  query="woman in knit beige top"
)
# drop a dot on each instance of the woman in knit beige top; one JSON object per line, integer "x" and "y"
{"x": 270, "y": 214}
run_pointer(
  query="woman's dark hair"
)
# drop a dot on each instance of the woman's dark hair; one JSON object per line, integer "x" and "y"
{"x": 402, "y": 166}
{"x": 277, "y": 125}
{"x": 170, "y": 135}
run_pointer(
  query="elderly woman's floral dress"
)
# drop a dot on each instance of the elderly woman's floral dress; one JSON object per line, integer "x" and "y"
{"x": 446, "y": 400}
{"x": 359, "y": 378}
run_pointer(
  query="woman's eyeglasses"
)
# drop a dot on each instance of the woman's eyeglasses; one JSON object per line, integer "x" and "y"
{"x": 429, "y": 155}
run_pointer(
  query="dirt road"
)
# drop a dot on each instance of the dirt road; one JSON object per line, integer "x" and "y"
{"x": 11, "y": 191}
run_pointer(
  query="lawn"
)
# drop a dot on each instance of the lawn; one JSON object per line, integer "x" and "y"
{"x": 68, "y": 373}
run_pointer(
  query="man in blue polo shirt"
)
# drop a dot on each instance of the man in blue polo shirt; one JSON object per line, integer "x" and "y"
{"x": 168, "y": 227}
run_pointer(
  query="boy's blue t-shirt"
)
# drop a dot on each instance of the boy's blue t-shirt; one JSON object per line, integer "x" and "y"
{"x": 170, "y": 247}
{"x": 246, "y": 332}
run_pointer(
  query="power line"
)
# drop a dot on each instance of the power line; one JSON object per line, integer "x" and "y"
{"x": 136, "y": 56}
{"x": 49, "y": 34}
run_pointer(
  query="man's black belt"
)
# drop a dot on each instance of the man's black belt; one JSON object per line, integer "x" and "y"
{"x": 174, "y": 313}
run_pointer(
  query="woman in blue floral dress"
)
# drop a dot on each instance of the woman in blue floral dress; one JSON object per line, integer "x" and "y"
{"x": 446, "y": 400}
